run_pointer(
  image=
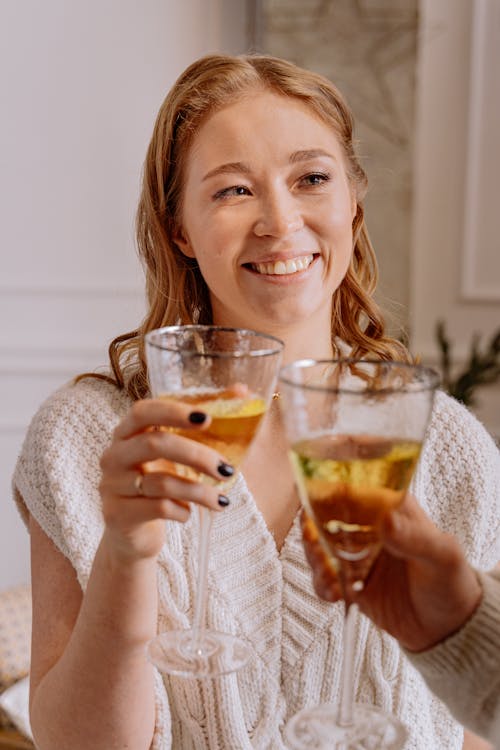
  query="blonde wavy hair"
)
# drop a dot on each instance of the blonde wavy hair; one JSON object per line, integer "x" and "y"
{"x": 176, "y": 291}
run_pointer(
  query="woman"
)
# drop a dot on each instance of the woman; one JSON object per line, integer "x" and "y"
{"x": 251, "y": 215}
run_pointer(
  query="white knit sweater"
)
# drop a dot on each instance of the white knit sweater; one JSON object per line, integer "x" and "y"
{"x": 264, "y": 596}
{"x": 464, "y": 670}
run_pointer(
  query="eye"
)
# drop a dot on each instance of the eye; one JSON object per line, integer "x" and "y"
{"x": 314, "y": 179}
{"x": 231, "y": 192}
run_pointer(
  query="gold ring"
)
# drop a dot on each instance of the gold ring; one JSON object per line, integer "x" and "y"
{"x": 139, "y": 490}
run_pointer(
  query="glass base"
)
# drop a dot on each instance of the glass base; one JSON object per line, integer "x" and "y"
{"x": 371, "y": 729}
{"x": 211, "y": 654}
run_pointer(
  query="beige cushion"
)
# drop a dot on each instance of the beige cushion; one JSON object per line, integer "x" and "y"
{"x": 15, "y": 636}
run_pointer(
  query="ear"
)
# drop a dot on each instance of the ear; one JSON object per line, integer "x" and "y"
{"x": 182, "y": 241}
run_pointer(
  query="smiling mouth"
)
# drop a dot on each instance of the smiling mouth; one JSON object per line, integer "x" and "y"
{"x": 282, "y": 267}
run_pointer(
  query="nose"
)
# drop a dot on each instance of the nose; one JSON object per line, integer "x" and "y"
{"x": 279, "y": 215}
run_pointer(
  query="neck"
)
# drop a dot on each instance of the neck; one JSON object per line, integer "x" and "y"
{"x": 303, "y": 343}
{"x": 308, "y": 348}
{"x": 302, "y": 340}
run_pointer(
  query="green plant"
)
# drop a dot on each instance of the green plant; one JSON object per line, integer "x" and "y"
{"x": 481, "y": 368}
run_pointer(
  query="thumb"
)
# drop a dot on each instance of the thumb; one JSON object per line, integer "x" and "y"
{"x": 408, "y": 532}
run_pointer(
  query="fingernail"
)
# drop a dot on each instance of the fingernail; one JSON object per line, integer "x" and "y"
{"x": 223, "y": 501}
{"x": 225, "y": 470}
{"x": 197, "y": 417}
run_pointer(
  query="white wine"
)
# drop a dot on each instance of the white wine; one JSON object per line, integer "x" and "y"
{"x": 235, "y": 419}
{"x": 347, "y": 484}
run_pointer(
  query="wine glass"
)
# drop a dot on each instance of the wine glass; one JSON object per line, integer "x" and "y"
{"x": 230, "y": 374}
{"x": 355, "y": 430}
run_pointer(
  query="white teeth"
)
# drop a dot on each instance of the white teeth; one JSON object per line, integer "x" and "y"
{"x": 282, "y": 267}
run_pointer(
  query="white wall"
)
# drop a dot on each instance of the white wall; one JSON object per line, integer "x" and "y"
{"x": 455, "y": 272}
{"x": 81, "y": 83}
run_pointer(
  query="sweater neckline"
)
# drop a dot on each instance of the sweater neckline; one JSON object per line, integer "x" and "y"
{"x": 243, "y": 493}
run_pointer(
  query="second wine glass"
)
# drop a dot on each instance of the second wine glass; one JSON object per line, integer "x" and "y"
{"x": 230, "y": 374}
{"x": 355, "y": 430}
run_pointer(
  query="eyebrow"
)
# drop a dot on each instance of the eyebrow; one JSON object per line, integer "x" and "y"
{"x": 240, "y": 166}
{"x": 229, "y": 168}
{"x": 311, "y": 153}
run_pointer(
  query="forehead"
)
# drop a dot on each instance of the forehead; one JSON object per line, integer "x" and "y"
{"x": 260, "y": 123}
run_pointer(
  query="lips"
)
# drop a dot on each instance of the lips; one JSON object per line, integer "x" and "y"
{"x": 283, "y": 267}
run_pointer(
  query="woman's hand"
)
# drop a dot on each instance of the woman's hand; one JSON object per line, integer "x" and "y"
{"x": 139, "y": 492}
{"x": 421, "y": 588}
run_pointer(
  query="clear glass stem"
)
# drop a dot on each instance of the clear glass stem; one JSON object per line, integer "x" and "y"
{"x": 345, "y": 716}
{"x": 199, "y": 620}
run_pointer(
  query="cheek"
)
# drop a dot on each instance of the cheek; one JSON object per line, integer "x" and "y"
{"x": 344, "y": 211}
{"x": 339, "y": 228}
{"x": 215, "y": 240}
{"x": 340, "y": 241}
{"x": 213, "y": 267}
{"x": 211, "y": 257}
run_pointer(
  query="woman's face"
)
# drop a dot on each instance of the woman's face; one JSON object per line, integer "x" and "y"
{"x": 267, "y": 213}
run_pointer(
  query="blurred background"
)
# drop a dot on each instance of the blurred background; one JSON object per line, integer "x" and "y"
{"x": 81, "y": 83}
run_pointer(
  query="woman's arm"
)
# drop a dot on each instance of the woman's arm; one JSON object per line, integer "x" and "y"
{"x": 473, "y": 742}
{"x": 422, "y": 591}
{"x": 91, "y": 686}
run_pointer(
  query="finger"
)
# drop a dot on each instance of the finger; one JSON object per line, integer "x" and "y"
{"x": 325, "y": 580}
{"x": 162, "y": 413}
{"x": 149, "y": 446}
{"x": 141, "y": 511}
{"x": 326, "y": 583}
{"x": 159, "y": 485}
{"x": 309, "y": 529}
{"x": 315, "y": 553}
{"x": 237, "y": 390}
{"x": 310, "y": 537}
{"x": 408, "y": 532}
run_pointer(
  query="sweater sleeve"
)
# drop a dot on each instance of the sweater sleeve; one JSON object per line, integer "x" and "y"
{"x": 464, "y": 670}
{"x": 57, "y": 473}
{"x": 458, "y": 480}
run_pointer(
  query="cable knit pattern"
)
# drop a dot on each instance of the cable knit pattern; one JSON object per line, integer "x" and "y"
{"x": 264, "y": 596}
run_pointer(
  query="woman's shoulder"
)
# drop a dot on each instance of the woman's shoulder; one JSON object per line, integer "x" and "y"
{"x": 87, "y": 393}
{"x": 77, "y": 418}
{"x": 454, "y": 429}
{"x": 458, "y": 479}
{"x": 79, "y": 403}
{"x": 57, "y": 471}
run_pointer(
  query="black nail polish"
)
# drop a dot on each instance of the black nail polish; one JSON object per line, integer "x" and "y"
{"x": 225, "y": 470}
{"x": 197, "y": 417}
{"x": 223, "y": 501}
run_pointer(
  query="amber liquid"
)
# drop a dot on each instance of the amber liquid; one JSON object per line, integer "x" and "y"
{"x": 234, "y": 422}
{"x": 347, "y": 484}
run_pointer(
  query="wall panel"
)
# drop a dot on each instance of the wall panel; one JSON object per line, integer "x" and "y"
{"x": 81, "y": 84}
{"x": 455, "y": 184}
